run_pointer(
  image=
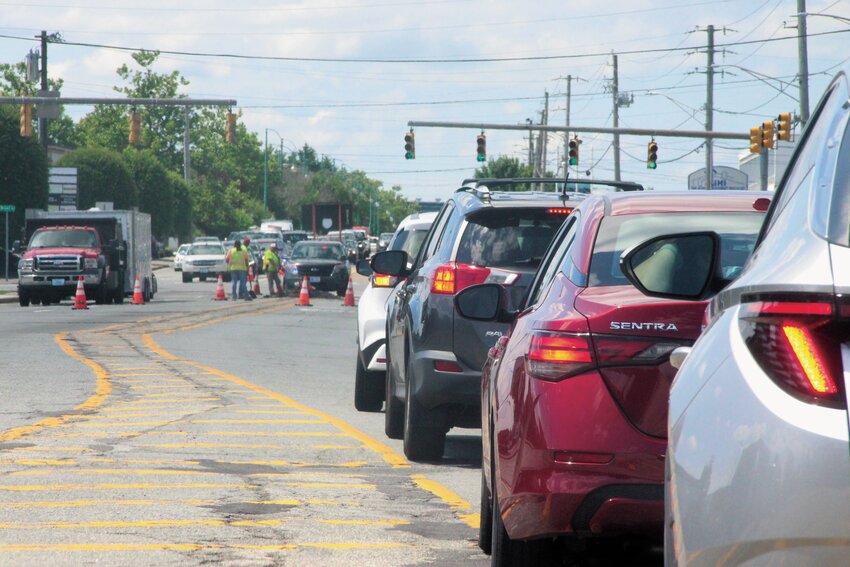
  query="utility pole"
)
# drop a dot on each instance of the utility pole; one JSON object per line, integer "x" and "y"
{"x": 803, "y": 57}
{"x": 709, "y": 110}
{"x": 42, "y": 122}
{"x": 567, "y": 124}
{"x": 545, "y": 135}
{"x": 186, "y": 158}
{"x": 615, "y": 90}
{"x": 530, "y": 142}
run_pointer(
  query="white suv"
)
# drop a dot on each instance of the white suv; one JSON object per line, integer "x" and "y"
{"x": 372, "y": 315}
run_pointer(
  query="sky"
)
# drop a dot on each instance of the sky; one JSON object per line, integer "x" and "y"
{"x": 346, "y": 76}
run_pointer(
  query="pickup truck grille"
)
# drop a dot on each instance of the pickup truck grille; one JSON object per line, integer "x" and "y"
{"x": 59, "y": 264}
{"x": 204, "y": 263}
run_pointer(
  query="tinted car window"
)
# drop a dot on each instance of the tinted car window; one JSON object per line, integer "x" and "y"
{"x": 738, "y": 232}
{"x": 839, "y": 222}
{"x": 410, "y": 241}
{"x": 435, "y": 233}
{"x": 507, "y": 237}
{"x": 553, "y": 261}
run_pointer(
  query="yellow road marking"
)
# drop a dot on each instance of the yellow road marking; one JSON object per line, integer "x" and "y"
{"x": 345, "y": 485}
{"x": 118, "y": 424}
{"x": 102, "y": 391}
{"x": 459, "y": 506}
{"x": 184, "y": 523}
{"x": 93, "y": 503}
{"x": 68, "y": 547}
{"x": 271, "y": 412}
{"x": 258, "y": 421}
{"x": 137, "y": 374}
{"x": 51, "y": 449}
{"x": 115, "y": 486}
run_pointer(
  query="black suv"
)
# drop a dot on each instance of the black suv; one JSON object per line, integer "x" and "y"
{"x": 434, "y": 357}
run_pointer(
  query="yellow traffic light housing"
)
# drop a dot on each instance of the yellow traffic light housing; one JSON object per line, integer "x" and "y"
{"x": 26, "y": 119}
{"x": 783, "y": 125}
{"x": 481, "y": 147}
{"x": 768, "y": 133}
{"x": 755, "y": 140}
{"x": 652, "y": 155}
{"x": 230, "y": 128}
{"x": 409, "y": 145}
{"x": 135, "y": 128}
{"x": 573, "y": 151}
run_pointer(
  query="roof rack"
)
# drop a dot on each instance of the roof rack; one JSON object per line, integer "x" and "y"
{"x": 495, "y": 182}
{"x": 483, "y": 193}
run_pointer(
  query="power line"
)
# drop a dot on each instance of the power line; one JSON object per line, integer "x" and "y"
{"x": 426, "y": 61}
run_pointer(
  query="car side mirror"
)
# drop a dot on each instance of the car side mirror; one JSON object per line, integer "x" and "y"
{"x": 675, "y": 266}
{"x": 484, "y": 302}
{"x": 391, "y": 263}
{"x": 16, "y": 247}
{"x": 363, "y": 268}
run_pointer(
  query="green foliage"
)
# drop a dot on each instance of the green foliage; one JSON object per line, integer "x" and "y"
{"x": 102, "y": 175}
{"x": 220, "y": 210}
{"x": 154, "y": 191}
{"x": 23, "y": 170}
{"x": 505, "y": 167}
{"x": 183, "y": 209}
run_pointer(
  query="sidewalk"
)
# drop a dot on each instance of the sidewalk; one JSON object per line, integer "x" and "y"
{"x": 9, "y": 289}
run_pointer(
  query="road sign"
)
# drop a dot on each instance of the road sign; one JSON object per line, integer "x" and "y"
{"x": 723, "y": 178}
{"x": 7, "y": 208}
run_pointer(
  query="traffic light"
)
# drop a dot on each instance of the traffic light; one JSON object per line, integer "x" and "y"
{"x": 409, "y": 145}
{"x": 481, "y": 144}
{"x": 135, "y": 127}
{"x": 784, "y": 126}
{"x": 652, "y": 155}
{"x": 573, "y": 149}
{"x": 767, "y": 135}
{"x": 755, "y": 140}
{"x": 230, "y": 128}
{"x": 26, "y": 119}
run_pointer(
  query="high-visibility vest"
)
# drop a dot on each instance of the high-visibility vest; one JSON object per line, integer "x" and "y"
{"x": 237, "y": 260}
{"x": 271, "y": 260}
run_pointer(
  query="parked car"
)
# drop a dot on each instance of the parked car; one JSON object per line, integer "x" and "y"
{"x": 434, "y": 358}
{"x": 758, "y": 464}
{"x": 178, "y": 256}
{"x": 204, "y": 260}
{"x": 322, "y": 261}
{"x": 370, "y": 373}
{"x": 574, "y": 398}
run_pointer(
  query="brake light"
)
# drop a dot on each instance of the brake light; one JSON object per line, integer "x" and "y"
{"x": 555, "y": 356}
{"x": 560, "y": 211}
{"x": 797, "y": 344}
{"x": 447, "y": 366}
{"x": 381, "y": 280}
{"x": 452, "y": 277}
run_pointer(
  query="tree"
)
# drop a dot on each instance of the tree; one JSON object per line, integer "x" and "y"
{"x": 23, "y": 170}
{"x": 183, "y": 207}
{"x": 102, "y": 175}
{"x": 155, "y": 192}
{"x": 505, "y": 167}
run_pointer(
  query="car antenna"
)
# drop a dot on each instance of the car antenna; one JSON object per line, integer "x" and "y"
{"x": 566, "y": 181}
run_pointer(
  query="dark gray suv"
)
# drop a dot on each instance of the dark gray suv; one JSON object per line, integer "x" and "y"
{"x": 434, "y": 357}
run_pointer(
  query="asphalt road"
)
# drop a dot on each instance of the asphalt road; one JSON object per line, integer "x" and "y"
{"x": 188, "y": 431}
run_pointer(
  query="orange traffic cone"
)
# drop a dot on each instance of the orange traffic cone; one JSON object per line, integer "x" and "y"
{"x": 80, "y": 297}
{"x": 349, "y": 295}
{"x": 138, "y": 298}
{"x": 256, "y": 290}
{"x": 219, "y": 290}
{"x": 304, "y": 298}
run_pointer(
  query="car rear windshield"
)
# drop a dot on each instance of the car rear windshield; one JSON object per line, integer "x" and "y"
{"x": 410, "y": 241}
{"x": 64, "y": 238}
{"x": 738, "y": 232}
{"x": 205, "y": 249}
{"x": 501, "y": 238}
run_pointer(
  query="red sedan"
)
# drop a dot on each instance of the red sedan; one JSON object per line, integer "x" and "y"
{"x": 574, "y": 399}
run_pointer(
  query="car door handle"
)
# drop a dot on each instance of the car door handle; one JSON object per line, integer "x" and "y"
{"x": 410, "y": 288}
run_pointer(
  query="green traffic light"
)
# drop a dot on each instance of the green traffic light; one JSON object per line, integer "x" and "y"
{"x": 573, "y": 161}
{"x": 481, "y": 158}
{"x": 408, "y": 155}
{"x": 651, "y": 165}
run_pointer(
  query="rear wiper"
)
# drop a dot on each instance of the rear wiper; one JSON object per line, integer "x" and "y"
{"x": 532, "y": 260}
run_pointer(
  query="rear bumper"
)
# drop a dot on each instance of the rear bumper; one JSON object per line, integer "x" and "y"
{"x": 325, "y": 283}
{"x": 559, "y": 476}
{"x": 457, "y": 392}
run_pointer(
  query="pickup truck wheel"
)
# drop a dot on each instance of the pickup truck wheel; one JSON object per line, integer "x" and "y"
{"x": 36, "y": 300}
{"x": 187, "y": 278}
{"x": 422, "y": 441}
{"x": 368, "y": 391}
{"x": 23, "y": 298}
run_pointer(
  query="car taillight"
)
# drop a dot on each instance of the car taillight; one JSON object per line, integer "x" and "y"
{"x": 797, "y": 344}
{"x": 381, "y": 280}
{"x": 555, "y": 356}
{"x": 453, "y": 277}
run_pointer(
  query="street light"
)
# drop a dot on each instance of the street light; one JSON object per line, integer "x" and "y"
{"x": 266, "y": 164}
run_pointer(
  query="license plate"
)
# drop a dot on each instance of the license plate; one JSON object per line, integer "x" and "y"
{"x": 205, "y": 271}
{"x": 315, "y": 279}
{"x": 58, "y": 282}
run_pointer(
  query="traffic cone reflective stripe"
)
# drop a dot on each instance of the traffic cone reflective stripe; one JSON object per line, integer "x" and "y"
{"x": 80, "y": 296}
{"x": 349, "y": 295}
{"x": 138, "y": 298}
{"x": 219, "y": 290}
{"x": 304, "y": 298}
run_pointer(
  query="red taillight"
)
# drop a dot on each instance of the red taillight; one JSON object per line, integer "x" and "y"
{"x": 796, "y": 344}
{"x": 447, "y": 366}
{"x": 560, "y": 211}
{"x": 453, "y": 277}
{"x": 380, "y": 280}
{"x": 554, "y": 356}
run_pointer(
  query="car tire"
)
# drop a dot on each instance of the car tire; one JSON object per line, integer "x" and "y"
{"x": 187, "y": 278}
{"x": 504, "y": 551}
{"x": 368, "y": 388}
{"x": 23, "y": 298}
{"x": 36, "y": 300}
{"x": 485, "y": 524}
{"x": 394, "y": 410}
{"x": 422, "y": 441}
{"x": 202, "y": 278}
